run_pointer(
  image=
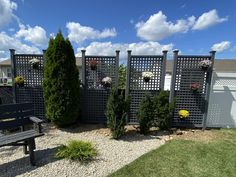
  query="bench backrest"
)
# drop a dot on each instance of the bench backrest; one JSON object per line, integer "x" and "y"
{"x": 15, "y": 115}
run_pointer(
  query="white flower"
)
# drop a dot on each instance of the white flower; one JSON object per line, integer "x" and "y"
{"x": 107, "y": 80}
{"x": 205, "y": 63}
{"x": 34, "y": 61}
{"x": 147, "y": 74}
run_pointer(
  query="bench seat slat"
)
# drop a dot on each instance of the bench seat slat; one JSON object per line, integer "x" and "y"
{"x": 18, "y": 137}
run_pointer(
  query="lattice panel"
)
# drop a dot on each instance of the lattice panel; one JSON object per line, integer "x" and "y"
{"x": 94, "y": 93}
{"x": 32, "y": 90}
{"x": 188, "y": 72}
{"x": 137, "y": 87}
{"x": 6, "y": 94}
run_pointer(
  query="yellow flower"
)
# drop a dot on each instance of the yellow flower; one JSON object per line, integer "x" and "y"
{"x": 183, "y": 114}
{"x": 19, "y": 80}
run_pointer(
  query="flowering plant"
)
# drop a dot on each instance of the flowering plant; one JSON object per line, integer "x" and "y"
{"x": 195, "y": 87}
{"x": 183, "y": 114}
{"x": 35, "y": 63}
{"x": 106, "y": 81}
{"x": 19, "y": 80}
{"x": 93, "y": 64}
{"x": 147, "y": 76}
{"x": 205, "y": 64}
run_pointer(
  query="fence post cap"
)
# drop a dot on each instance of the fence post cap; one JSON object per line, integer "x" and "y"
{"x": 175, "y": 50}
{"x": 164, "y": 51}
{"x": 213, "y": 52}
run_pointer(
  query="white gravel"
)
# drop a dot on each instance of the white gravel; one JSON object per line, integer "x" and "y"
{"x": 113, "y": 154}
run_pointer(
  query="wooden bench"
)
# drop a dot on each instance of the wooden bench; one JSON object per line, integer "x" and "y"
{"x": 14, "y": 119}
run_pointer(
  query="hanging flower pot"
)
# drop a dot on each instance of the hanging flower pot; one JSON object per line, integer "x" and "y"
{"x": 147, "y": 76}
{"x": 19, "y": 80}
{"x": 146, "y": 79}
{"x": 205, "y": 64}
{"x": 194, "y": 87}
{"x": 106, "y": 82}
{"x": 35, "y": 63}
{"x": 183, "y": 114}
{"x": 93, "y": 64}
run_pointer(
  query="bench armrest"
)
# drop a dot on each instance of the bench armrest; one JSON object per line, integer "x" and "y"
{"x": 37, "y": 122}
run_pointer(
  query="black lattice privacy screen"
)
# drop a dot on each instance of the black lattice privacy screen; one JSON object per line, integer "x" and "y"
{"x": 32, "y": 90}
{"x": 95, "y": 94}
{"x": 186, "y": 71}
{"x": 6, "y": 95}
{"x": 136, "y": 87}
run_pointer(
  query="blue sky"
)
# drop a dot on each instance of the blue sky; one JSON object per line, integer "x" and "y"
{"x": 103, "y": 26}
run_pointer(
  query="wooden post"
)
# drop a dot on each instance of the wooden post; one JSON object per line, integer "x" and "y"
{"x": 208, "y": 89}
{"x": 83, "y": 67}
{"x": 13, "y": 71}
{"x": 117, "y": 68}
{"x": 173, "y": 76}
{"x": 163, "y": 69}
{"x": 128, "y": 78}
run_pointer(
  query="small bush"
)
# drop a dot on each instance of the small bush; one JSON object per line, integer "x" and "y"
{"x": 162, "y": 110}
{"x": 116, "y": 112}
{"x": 146, "y": 114}
{"x": 77, "y": 150}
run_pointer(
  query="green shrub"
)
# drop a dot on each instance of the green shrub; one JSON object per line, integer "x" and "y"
{"x": 122, "y": 76}
{"x": 146, "y": 114}
{"x": 163, "y": 110}
{"x": 77, "y": 150}
{"x": 61, "y": 82}
{"x": 116, "y": 112}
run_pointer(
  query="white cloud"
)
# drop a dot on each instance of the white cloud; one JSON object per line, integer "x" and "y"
{"x": 79, "y": 33}
{"x": 6, "y": 11}
{"x": 7, "y": 42}
{"x": 208, "y": 19}
{"x": 36, "y": 35}
{"x": 157, "y": 27}
{"x": 108, "y": 48}
{"x": 220, "y": 47}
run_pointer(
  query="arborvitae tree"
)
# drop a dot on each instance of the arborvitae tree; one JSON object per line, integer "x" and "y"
{"x": 61, "y": 82}
{"x": 122, "y": 76}
{"x": 163, "y": 110}
{"x": 116, "y": 112}
{"x": 146, "y": 114}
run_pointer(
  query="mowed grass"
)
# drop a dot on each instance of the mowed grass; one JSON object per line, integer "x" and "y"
{"x": 187, "y": 158}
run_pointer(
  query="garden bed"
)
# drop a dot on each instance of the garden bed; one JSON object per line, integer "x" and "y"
{"x": 113, "y": 154}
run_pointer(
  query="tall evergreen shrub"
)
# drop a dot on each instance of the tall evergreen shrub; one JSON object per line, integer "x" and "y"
{"x": 116, "y": 112}
{"x": 61, "y": 82}
{"x": 146, "y": 114}
{"x": 163, "y": 110}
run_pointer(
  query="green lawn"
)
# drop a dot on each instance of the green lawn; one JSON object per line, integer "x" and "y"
{"x": 187, "y": 158}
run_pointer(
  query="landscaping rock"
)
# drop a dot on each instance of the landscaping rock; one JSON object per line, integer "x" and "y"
{"x": 113, "y": 154}
{"x": 179, "y": 132}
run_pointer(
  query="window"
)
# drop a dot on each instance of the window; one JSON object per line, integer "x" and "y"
{"x": 8, "y": 72}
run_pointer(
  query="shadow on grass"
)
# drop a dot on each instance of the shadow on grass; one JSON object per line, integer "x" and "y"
{"x": 22, "y": 165}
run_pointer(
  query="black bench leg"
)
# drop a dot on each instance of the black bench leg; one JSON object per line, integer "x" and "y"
{"x": 25, "y": 148}
{"x": 31, "y": 151}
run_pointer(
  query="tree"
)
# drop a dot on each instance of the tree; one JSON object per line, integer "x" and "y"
{"x": 163, "y": 110}
{"x": 61, "y": 82}
{"x": 122, "y": 76}
{"x": 146, "y": 114}
{"x": 116, "y": 112}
